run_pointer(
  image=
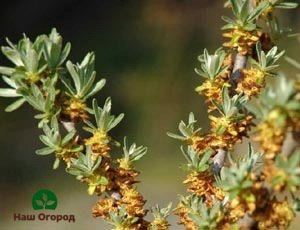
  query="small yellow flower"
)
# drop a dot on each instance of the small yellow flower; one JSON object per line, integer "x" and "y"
{"x": 277, "y": 214}
{"x": 202, "y": 184}
{"x": 133, "y": 201}
{"x": 100, "y": 144}
{"x": 183, "y": 213}
{"x": 74, "y": 109}
{"x": 252, "y": 82}
{"x": 160, "y": 224}
{"x": 32, "y": 77}
{"x": 213, "y": 91}
{"x": 241, "y": 40}
{"x": 104, "y": 206}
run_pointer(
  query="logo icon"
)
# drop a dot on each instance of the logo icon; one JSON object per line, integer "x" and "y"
{"x": 44, "y": 199}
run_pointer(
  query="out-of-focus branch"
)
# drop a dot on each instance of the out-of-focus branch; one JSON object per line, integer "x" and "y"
{"x": 291, "y": 142}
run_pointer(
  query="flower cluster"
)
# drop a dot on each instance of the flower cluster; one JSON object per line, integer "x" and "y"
{"x": 254, "y": 79}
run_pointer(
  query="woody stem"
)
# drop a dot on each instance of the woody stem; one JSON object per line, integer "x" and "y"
{"x": 219, "y": 160}
{"x": 239, "y": 64}
{"x": 68, "y": 125}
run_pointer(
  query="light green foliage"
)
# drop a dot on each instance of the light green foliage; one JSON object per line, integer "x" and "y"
{"x": 84, "y": 166}
{"x": 54, "y": 53}
{"x": 266, "y": 61}
{"x": 120, "y": 219}
{"x": 104, "y": 120}
{"x": 38, "y": 76}
{"x": 290, "y": 175}
{"x": 161, "y": 213}
{"x": 42, "y": 100}
{"x": 55, "y": 143}
{"x": 244, "y": 15}
{"x": 29, "y": 64}
{"x": 211, "y": 65}
{"x": 31, "y": 59}
{"x": 27, "y": 56}
{"x": 188, "y": 131}
{"x": 11, "y": 92}
{"x": 230, "y": 106}
{"x": 37, "y": 73}
{"x": 277, "y": 102}
{"x": 133, "y": 153}
{"x": 34, "y": 76}
{"x": 283, "y": 4}
{"x": 196, "y": 163}
{"x": 205, "y": 218}
{"x": 236, "y": 178}
{"x": 296, "y": 204}
{"x": 83, "y": 76}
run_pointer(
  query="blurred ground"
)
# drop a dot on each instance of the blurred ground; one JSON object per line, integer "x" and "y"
{"x": 147, "y": 51}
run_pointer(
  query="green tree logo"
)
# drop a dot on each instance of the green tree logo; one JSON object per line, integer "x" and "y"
{"x": 44, "y": 199}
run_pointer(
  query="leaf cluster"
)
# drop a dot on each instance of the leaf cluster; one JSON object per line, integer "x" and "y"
{"x": 55, "y": 143}
{"x": 188, "y": 130}
{"x": 85, "y": 166}
{"x": 266, "y": 61}
{"x": 230, "y": 107}
{"x": 42, "y": 100}
{"x": 133, "y": 153}
{"x": 280, "y": 97}
{"x": 161, "y": 213}
{"x": 211, "y": 65}
{"x": 244, "y": 14}
{"x": 104, "y": 120}
{"x": 204, "y": 217}
{"x": 83, "y": 76}
{"x": 291, "y": 171}
{"x": 196, "y": 163}
{"x": 120, "y": 219}
{"x": 236, "y": 178}
{"x": 33, "y": 61}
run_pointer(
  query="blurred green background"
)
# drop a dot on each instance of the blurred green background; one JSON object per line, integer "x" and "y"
{"x": 147, "y": 51}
